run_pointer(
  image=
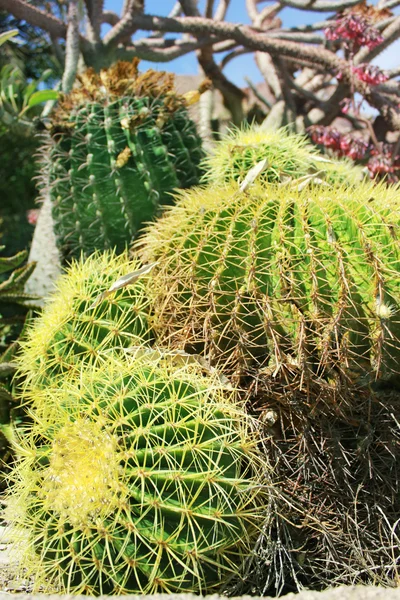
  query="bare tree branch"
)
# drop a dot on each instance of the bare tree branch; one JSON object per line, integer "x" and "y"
{"x": 189, "y": 7}
{"x": 222, "y": 8}
{"x": 257, "y": 93}
{"x": 234, "y": 54}
{"x": 320, "y": 5}
{"x": 209, "y": 9}
{"x": 233, "y": 96}
{"x": 35, "y": 16}
{"x": 390, "y": 34}
{"x": 242, "y": 34}
{"x": 267, "y": 68}
{"x": 176, "y": 10}
{"x": 393, "y": 72}
{"x": 252, "y": 11}
{"x": 305, "y": 38}
{"x": 267, "y": 13}
{"x": 71, "y": 47}
{"x": 95, "y": 12}
{"x": 162, "y": 52}
{"x": 110, "y": 17}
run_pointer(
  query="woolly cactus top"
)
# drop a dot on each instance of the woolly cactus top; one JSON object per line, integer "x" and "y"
{"x": 123, "y": 79}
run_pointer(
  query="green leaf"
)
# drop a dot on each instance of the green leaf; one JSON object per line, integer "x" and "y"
{"x": 42, "y": 96}
{"x": 11, "y": 262}
{"x": 7, "y": 369}
{"x": 7, "y": 35}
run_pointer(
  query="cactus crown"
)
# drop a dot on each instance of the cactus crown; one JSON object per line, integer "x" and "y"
{"x": 276, "y": 275}
{"x": 77, "y": 324}
{"x": 288, "y": 156}
{"x": 120, "y": 80}
{"x": 135, "y": 478}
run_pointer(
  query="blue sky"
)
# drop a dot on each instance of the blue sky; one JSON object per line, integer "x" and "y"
{"x": 243, "y": 66}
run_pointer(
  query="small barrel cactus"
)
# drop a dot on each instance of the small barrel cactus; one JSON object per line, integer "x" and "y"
{"x": 279, "y": 275}
{"x": 80, "y": 320}
{"x": 287, "y": 155}
{"x": 117, "y": 146}
{"x": 135, "y": 478}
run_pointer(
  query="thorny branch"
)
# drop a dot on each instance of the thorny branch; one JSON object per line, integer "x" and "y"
{"x": 283, "y": 54}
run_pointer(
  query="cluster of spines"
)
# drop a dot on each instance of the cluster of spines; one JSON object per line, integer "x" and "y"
{"x": 136, "y": 479}
{"x": 278, "y": 274}
{"x": 288, "y": 157}
{"x": 77, "y": 325}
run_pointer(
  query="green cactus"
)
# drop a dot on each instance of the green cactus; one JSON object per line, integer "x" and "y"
{"x": 276, "y": 275}
{"x": 14, "y": 305}
{"x": 288, "y": 156}
{"x": 79, "y": 321}
{"x": 135, "y": 478}
{"x": 117, "y": 146}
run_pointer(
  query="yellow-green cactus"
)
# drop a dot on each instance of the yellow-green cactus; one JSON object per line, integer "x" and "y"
{"x": 279, "y": 275}
{"x": 135, "y": 478}
{"x": 287, "y": 157}
{"x": 81, "y": 319}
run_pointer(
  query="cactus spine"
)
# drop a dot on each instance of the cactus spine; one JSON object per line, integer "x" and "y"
{"x": 118, "y": 145}
{"x": 288, "y": 156}
{"x": 276, "y": 275}
{"x": 77, "y": 324}
{"x": 136, "y": 478}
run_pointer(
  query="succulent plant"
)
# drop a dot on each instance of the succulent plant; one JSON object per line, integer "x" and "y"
{"x": 135, "y": 478}
{"x": 14, "y": 305}
{"x": 117, "y": 146}
{"x": 287, "y": 155}
{"x": 81, "y": 319}
{"x": 277, "y": 275}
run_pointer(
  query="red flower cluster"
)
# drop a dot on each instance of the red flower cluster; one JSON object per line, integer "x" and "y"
{"x": 370, "y": 74}
{"x": 353, "y": 147}
{"x": 355, "y": 30}
{"x": 384, "y": 164}
{"x": 381, "y": 162}
{"x": 343, "y": 145}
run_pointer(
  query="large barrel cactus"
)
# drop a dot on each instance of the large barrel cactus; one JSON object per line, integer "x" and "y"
{"x": 81, "y": 320}
{"x": 117, "y": 146}
{"x": 277, "y": 275}
{"x": 287, "y": 157}
{"x": 135, "y": 478}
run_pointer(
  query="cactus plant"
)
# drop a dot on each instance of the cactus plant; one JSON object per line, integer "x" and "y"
{"x": 135, "y": 478}
{"x": 14, "y": 305}
{"x": 280, "y": 275}
{"x": 78, "y": 322}
{"x": 117, "y": 146}
{"x": 288, "y": 156}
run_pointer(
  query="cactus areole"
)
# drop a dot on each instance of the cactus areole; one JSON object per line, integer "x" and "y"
{"x": 275, "y": 276}
{"x": 138, "y": 480}
{"x": 117, "y": 146}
